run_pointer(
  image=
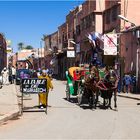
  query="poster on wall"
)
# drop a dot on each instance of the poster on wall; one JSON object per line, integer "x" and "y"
{"x": 110, "y": 44}
{"x": 70, "y": 53}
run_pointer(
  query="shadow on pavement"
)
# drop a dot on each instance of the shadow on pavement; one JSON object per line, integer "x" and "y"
{"x": 72, "y": 100}
{"x": 33, "y": 109}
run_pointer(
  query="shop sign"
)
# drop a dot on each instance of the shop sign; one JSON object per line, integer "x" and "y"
{"x": 110, "y": 44}
{"x": 34, "y": 85}
{"x": 70, "y": 53}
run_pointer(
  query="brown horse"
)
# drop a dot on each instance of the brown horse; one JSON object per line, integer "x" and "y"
{"x": 108, "y": 86}
{"x": 91, "y": 90}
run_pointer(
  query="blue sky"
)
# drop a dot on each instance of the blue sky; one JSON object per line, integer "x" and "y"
{"x": 27, "y": 21}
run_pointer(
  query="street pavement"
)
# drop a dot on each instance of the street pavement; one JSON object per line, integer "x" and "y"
{"x": 8, "y": 103}
{"x": 66, "y": 120}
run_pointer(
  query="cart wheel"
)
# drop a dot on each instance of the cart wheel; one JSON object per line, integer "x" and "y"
{"x": 106, "y": 102}
{"x": 0, "y": 85}
{"x": 80, "y": 93}
{"x": 67, "y": 93}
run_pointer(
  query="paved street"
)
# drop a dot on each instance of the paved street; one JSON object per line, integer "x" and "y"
{"x": 66, "y": 120}
{"x": 7, "y": 100}
{"x": 8, "y": 103}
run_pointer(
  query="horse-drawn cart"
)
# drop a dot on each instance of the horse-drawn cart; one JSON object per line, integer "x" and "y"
{"x": 73, "y": 76}
{"x": 76, "y": 85}
{"x": 87, "y": 85}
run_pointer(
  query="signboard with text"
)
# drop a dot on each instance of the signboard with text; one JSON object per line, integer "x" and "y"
{"x": 110, "y": 44}
{"x": 34, "y": 85}
{"x": 70, "y": 53}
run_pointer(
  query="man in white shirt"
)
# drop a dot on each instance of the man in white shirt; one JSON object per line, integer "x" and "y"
{"x": 13, "y": 74}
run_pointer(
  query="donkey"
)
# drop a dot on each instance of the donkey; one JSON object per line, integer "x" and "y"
{"x": 108, "y": 86}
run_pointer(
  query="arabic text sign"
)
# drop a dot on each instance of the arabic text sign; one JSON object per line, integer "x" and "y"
{"x": 34, "y": 85}
{"x": 110, "y": 44}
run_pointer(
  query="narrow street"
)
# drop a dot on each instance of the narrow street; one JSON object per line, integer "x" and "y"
{"x": 66, "y": 120}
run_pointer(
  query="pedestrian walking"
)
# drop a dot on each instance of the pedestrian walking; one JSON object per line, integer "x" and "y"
{"x": 13, "y": 74}
{"x": 127, "y": 82}
{"x": 10, "y": 78}
{"x": 38, "y": 72}
{"x": 5, "y": 75}
{"x": 34, "y": 75}
{"x": 1, "y": 81}
{"x": 43, "y": 98}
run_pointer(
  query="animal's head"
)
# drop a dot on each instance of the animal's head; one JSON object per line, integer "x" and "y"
{"x": 93, "y": 71}
{"x": 110, "y": 77}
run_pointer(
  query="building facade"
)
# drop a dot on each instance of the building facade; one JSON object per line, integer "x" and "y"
{"x": 48, "y": 53}
{"x": 3, "y": 52}
{"x": 23, "y": 59}
{"x": 102, "y": 17}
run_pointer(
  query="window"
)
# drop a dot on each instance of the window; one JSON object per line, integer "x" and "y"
{"x": 63, "y": 37}
{"x": 78, "y": 31}
{"x": 107, "y": 17}
{"x": 92, "y": 19}
{"x": 83, "y": 24}
{"x": 114, "y": 13}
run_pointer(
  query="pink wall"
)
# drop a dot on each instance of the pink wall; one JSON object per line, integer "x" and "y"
{"x": 131, "y": 10}
{"x": 128, "y": 50}
{"x": 3, "y": 52}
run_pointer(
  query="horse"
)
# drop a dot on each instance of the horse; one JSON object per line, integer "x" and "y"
{"x": 91, "y": 89}
{"x": 108, "y": 86}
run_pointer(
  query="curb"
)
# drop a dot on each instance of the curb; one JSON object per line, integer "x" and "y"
{"x": 134, "y": 98}
{"x": 12, "y": 114}
{"x": 8, "y": 116}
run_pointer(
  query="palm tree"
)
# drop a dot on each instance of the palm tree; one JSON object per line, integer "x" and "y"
{"x": 29, "y": 47}
{"x": 20, "y": 46}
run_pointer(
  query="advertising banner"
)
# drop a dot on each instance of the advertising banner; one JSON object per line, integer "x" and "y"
{"x": 34, "y": 85}
{"x": 110, "y": 44}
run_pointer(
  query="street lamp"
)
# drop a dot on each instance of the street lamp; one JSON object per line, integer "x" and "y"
{"x": 73, "y": 42}
{"x": 50, "y": 50}
{"x": 125, "y": 19}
